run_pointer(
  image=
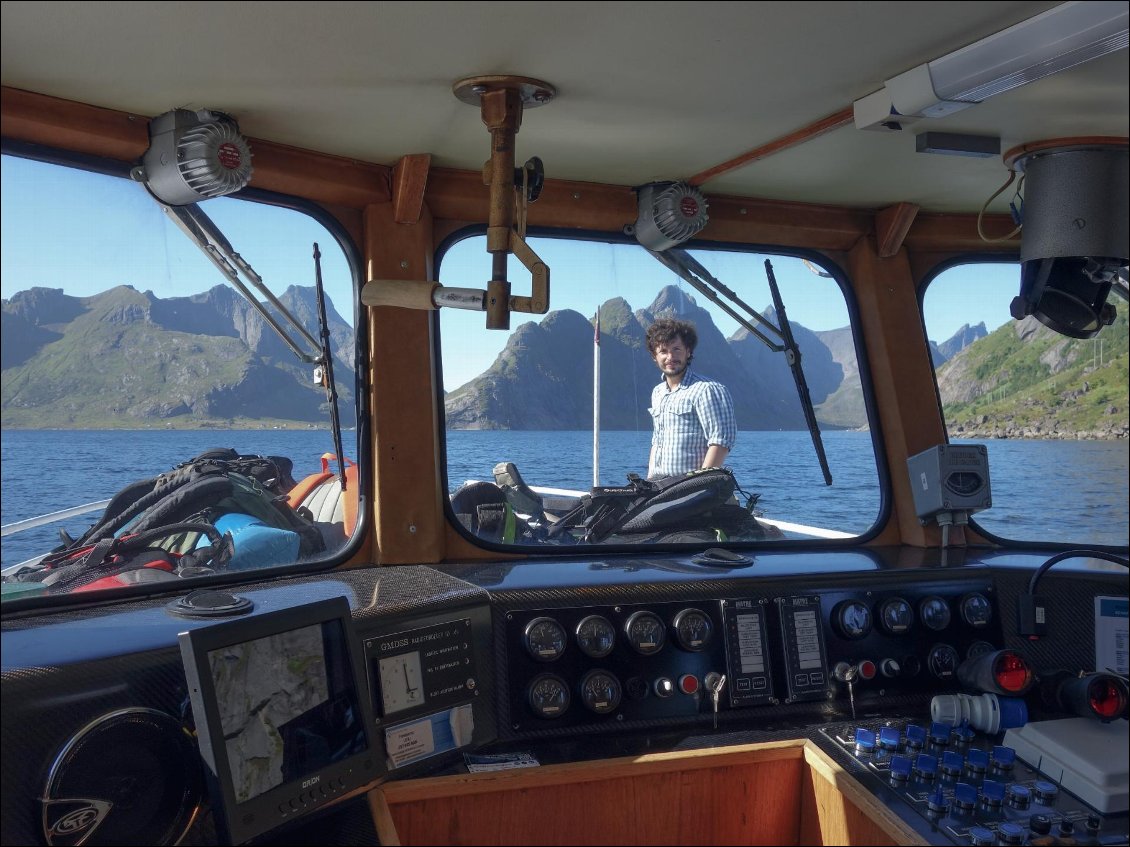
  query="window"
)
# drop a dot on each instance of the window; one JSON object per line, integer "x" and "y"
{"x": 525, "y": 400}
{"x": 1052, "y": 410}
{"x": 127, "y": 353}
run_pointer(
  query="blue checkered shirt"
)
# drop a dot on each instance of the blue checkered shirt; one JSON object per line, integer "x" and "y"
{"x": 687, "y": 420}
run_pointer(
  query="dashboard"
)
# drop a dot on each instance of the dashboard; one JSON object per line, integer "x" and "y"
{"x": 565, "y": 660}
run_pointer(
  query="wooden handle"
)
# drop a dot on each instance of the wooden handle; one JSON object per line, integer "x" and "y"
{"x": 402, "y": 293}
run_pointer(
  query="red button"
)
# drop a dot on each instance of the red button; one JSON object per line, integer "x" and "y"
{"x": 867, "y": 669}
{"x": 688, "y": 683}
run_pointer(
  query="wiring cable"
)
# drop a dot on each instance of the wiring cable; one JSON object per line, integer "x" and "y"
{"x": 997, "y": 193}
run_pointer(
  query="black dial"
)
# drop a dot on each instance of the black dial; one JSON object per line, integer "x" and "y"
{"x": 896, "y": 616}
{"x": 596, "y": 636}
{"x": 853, "y": 619}
{"x": 545, "y": 639}
{"x": 976, "y": 610}
{"x": 978, "y": 648}
{"x": 935, "y": 613}
{"x": 693, "y": 629}
{"x": 548, "y": 696}
{"x": 600, "y": 692}
{"x": 646, "y": 632}
{"x": 942, "y": 661}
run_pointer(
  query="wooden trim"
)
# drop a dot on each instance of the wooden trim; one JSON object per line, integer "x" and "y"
{"x": 382, "y": 819}
{"x": 806, "y": 133}
{"x": 409, "y": 180}
{"x": 891, "y": 226}
{"x": 94, "y": 131}
{"x": 843, "y": 810}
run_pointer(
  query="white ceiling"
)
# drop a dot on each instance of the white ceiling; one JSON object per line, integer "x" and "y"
{"x": 646, "y": 91}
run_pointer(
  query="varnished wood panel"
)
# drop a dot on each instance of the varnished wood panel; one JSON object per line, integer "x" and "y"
{"x": 891, "y": 226}
{"x": 689, "y": 800}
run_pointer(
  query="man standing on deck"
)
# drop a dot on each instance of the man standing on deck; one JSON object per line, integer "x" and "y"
{"x": 692, "y": 416}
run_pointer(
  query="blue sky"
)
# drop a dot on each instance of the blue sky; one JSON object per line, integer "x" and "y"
{"x": 85, "y": 233}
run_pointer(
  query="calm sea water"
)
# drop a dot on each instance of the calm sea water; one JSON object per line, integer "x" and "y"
{"x": 1042, "y": 490}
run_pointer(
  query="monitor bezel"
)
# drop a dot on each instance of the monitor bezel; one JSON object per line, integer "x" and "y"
{"x": 240, "y": 822}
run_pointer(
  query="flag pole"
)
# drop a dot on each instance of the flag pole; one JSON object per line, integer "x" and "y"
{"x": 596, "y": 401}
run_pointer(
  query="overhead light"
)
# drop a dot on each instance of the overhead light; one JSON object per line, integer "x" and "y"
{"x": 1060, "y": 38}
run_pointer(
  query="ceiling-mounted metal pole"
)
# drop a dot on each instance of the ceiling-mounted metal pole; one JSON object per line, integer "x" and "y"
{"x": 502, "y": 114}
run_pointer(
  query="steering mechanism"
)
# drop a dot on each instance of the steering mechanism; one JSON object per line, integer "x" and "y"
{"x": 501, "y": 100}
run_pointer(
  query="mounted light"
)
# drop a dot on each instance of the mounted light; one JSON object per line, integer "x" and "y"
{"x": 1060, "y": 38}
{"x": 1076, "y": 236}
{"x": 1003, "y": 672}
{"x": 194, "y": 156}
{"x": 1096, "y": 695}
{"x": 669, "y": 214}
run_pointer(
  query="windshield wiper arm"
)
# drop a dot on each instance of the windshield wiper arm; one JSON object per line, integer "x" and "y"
{"x": 200, "y": 229}
{"x": 691, "y": 270}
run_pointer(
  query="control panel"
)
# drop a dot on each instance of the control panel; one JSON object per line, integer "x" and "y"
{"x": 426, "y": 680}
{"x": 969, "y": 787}
{"x": 581, "y": 666}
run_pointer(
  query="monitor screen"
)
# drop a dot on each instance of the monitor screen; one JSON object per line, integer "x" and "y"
{"x": 281, "y": 722}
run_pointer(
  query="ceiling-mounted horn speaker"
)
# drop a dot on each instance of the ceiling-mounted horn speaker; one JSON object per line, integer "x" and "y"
{"x": 128, "y": 777}
{"x": 1076, "y": 236}
{"x": 194, "y": 156}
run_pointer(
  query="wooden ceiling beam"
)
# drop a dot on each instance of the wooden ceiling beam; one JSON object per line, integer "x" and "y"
{"x": 891, "y": 226}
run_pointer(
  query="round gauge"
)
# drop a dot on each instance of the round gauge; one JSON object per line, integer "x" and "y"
{"x": 853, "y": 619}
{"x": 896, "y": 616}
{"x": 545, "y": 639}
{"x": 596, "y": 636}
{"x": 935, "y": 612}
{"x": 942, "y": 661}
{"x": 978, "y": 648}
{"x": 600, "y": 692}
{"x": 548, "y": 696}
{"x": 976, "y": 610}
{"x": 693, "y": 629}
{"x": 646, "y": 632}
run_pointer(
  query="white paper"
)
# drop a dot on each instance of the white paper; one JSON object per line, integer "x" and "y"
{"x": 1112, "y": 631}
{"x": 408, "y": 742}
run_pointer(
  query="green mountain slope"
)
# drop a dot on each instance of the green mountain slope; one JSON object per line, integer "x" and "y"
{"x": 1023, "y": 380}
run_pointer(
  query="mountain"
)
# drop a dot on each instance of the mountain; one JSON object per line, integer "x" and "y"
{"x": 125, "y": 355}
{"x": 543, "y": 377}
{"x": 1024, "y": 380}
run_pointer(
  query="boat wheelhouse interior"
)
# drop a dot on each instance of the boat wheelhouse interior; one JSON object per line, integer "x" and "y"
{"x": 327, "y": 415}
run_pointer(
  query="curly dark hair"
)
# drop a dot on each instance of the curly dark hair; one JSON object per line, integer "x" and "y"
{"x": 666, "y": 330}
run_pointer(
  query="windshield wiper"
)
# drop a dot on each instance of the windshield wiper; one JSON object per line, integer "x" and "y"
{"x": 204, "y": 233}
{"x": 779, "y": 338}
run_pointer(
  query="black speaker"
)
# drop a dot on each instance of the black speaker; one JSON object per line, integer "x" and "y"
{"x": 128, "y": 777}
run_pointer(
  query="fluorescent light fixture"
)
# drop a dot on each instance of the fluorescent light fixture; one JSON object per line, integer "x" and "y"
{"x": 1060, "y": 38}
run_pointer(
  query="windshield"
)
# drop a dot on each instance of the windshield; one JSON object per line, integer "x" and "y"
{"x": 560, "y": 432}
{"x": 128, "y": 358}
{"x": 1051, "y": 410}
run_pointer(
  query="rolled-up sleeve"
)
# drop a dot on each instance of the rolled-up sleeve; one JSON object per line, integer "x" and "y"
{"x": 715, "y": 410}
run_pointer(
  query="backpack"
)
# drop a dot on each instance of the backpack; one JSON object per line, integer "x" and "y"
{"x": 177, "y": 512}
{"x": 129, "y": 560}
{"x": 699, "y": 505}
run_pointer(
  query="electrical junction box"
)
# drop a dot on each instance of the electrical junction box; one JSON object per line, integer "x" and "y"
{"x": 950, "y": 478}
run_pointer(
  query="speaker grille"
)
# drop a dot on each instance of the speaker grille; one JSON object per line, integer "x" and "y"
{"x": 128, "y": 777}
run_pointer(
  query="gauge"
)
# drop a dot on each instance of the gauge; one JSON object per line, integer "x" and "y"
{"x": 693, "y": 629}
{"x": 548, "y": 696}
{"x": 596, "y": 636}
{"x": 646, "y": 632}
{"x": 942, "y": 661}
{"x": 545, "y": 639}
{"x": 935, "y": 612}
{"x": 600, "y": 692}
{"x": 978, "y": 648}
{"x": 976, "y": 610}
{"x": 896, "y": 616}
{"x": 853, "y": 619}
